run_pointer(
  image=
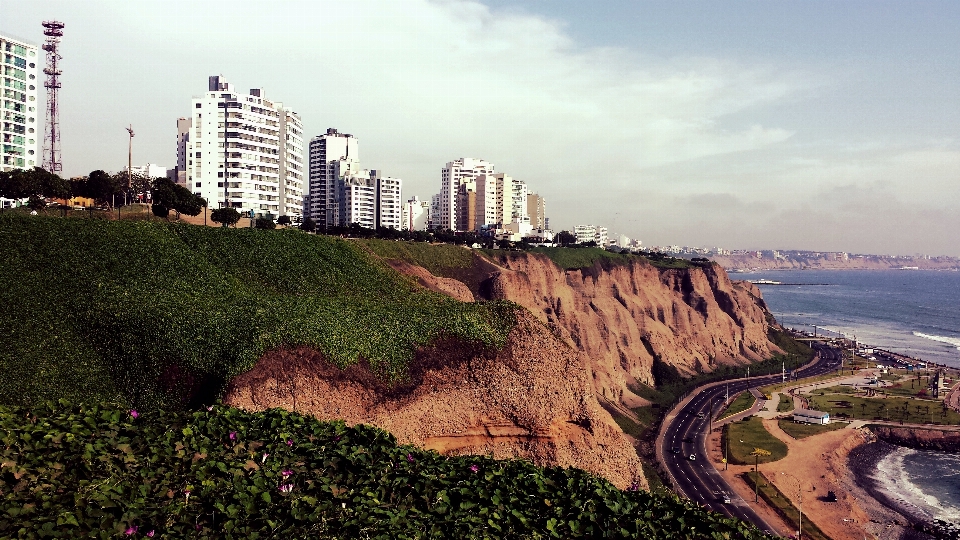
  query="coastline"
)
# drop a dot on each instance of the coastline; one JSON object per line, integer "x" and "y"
{"x": 862, "y": 464}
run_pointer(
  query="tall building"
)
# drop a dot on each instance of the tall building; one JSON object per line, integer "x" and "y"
{"x": 452, "y": 175}
{"x": 537, "y": 211}
{"x": 264, "y": 152}
{"x": 324, "y": 151}
{"x": 341, "y": 193}
{"x": 591, "y": 233}
{"x": 416, "y": 214}
{"x": 19, "y": 126}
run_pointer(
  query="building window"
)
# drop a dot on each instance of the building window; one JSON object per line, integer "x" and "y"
{"x": 198, "y": 105}
{"x": 198, "y": 184}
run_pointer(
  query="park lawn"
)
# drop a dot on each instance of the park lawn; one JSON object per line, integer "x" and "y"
{"x": 890, "y": 408}
{"x": 785, "y": 404}
{"x": 743, "y": 402}
{"x": 905, "y": 389}
{"x": 775, "y": 498}
{"x": 748, "y": 434}
{"x": 803, "y": 430}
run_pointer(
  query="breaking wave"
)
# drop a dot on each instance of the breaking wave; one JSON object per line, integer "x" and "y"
{"x": 942, "y": 339}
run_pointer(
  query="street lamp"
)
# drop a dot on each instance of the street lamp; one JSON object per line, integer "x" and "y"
{"x": 800, "y": 501}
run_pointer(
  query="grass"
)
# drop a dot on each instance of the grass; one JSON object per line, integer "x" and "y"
{"x": 434, "y": 257}
{"x": 775, "y": 498}
{"x": 802, "y": 431}
{"x": 579, "y": 258}
{"x": 785, "y": 404}
{"x": 748, "y": 434}
{"x": 163, "y": 315}
{"x": 890, "y": 408}
{"x": 743, "y": 402}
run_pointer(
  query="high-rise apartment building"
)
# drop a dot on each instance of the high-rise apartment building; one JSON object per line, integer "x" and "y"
{"x": 416, "y": 214}
{"x": 341, "y": 193}
{"x": 537, "y": 211}
{"x": 452, "y": 175}
{"x": 263, "y": 163}
{"x": 325, "y": 150}
{"x": 591, "y": 233}
{"x": 19, "y": 126}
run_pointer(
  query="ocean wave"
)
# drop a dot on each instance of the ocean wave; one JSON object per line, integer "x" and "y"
{"x": 894, "y": 480}
{"x": 942, "y": 339}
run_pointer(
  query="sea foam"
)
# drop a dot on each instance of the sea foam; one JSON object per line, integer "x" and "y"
{"x": 942, "y": 339}
{"x": 894, "y": 479}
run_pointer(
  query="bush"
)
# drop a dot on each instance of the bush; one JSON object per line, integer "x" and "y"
{"x": 226, "y": 217}
{"x": 265, "y": 223}
{"x": 283, "y": 220}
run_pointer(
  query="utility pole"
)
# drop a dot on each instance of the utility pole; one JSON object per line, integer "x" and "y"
{"x": 129, "y": 162}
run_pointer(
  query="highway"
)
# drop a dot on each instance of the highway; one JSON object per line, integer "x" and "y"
{"x": 684, "y": 433}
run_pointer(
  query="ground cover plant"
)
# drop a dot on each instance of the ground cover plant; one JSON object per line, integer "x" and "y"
{"x": 802, "y": 430}
{"x": 746, "y": 435}
{"x": 743, "y": 402}
{"x": 163, "y": 315}
{"x": 111, "y": 472}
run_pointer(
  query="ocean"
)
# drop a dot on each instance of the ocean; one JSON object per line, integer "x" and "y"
{"x": 911, "y": 312}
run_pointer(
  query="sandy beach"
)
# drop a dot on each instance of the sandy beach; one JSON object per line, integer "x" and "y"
{"x": 840, "y": 461}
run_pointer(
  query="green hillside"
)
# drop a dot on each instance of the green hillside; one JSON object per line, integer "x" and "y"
{"x": 157, "y": 314}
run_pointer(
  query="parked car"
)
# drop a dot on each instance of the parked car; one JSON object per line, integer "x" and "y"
{"x": 693, "y": 457}
{"x": 675, "y": 449}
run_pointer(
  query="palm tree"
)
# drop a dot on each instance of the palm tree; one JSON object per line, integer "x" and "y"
{"x": 757, "y": 452}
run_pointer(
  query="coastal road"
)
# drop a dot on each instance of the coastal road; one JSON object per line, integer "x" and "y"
{"x": 684, "y": 433}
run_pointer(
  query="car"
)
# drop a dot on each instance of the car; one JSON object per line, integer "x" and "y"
{"x": 675, "y": 449}
{"x": 700, "y": 415}
{"x": 726, "y": 499}
{"x": 693, "y": 457}
{"x": 688, "y": 439}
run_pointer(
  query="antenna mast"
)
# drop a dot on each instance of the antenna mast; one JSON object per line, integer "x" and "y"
{"x": 51, "y": 143}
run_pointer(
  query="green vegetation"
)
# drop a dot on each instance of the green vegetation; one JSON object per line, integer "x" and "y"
{"x": 163, "y": 315}
{"x": 801, "y": 431}
{"x": 776, "y": 499}
{"x": 747, "y": 434}
{"x": 914, "y": 411}
{"x": 105, "y": 472}
{"x": 743, "y": 402}
{"x": 573, "y": 258}
{"x": 785, "y": 404}
{"x": 434, "y": 257}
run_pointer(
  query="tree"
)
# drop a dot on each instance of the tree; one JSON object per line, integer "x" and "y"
{"x": 140, "y": 184}
{"x": 101, "y": 187}
{"x": 226, "y": 217}
{"x": 265, "y": 223}
{"x": 36, "y": 182}
{"x": 308, "y": 224}
{"x": 168, "y": 195}
{"x": 283, "y": 220}
{"x": 565, "y": 238}
{"x": 36, "y": 203}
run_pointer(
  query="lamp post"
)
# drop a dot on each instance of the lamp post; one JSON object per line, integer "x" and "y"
{"x": 800, "y": 501}
{"x": 757, "y": 452}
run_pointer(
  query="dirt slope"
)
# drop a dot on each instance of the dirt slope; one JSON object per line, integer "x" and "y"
{"x": 531, "y": 400}
{"x": 622, "y": 317}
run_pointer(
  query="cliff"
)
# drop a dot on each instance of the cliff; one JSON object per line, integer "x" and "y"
{"x": 919, "y": 438}
{"x": 531, "y": 400}
{"x": 625, "y": 316}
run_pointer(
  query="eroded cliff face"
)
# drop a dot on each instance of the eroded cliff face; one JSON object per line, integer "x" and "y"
{"x": 532, "y": 399}
{"x": 622, "y": 317}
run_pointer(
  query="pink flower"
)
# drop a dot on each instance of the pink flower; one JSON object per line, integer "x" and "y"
{"x": 410, "y": 458}
{"x": 286, "y": 488}
{"x": 286, "y": 473}
{"x": 265, "y": 456}
{"x": 474, "y": 468}
{"x": 209, "y": 408}
{"x": 150, "y": 533}
{"x": 289, "y": 442}
{"x": 130, "y": 531}
{"x": 233, "y": 435}
{"x": 197, "y": 526}
{"x": 135, "y": 415}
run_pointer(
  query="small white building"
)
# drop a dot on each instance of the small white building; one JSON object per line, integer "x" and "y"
{"x": 806, "y": 416}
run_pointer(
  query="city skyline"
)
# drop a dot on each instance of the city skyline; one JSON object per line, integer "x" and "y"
{"x": 796, "y": 125}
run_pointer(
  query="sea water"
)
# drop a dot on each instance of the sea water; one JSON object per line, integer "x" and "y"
{"x": 911, "y": 312}
{"x": 924, "y": 481}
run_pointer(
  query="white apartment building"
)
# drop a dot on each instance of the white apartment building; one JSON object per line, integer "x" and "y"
{"x": 264, "y": 152}
{"x": 19, "y": 126}
{"x": 591, "y": 233}
{"x": 493, "y": 200}
{"x": 150, "y": 170}
{"x": 451, "y": 176}
{"x": 326, "y": 149}
{"x": 341, "y": 193}
{"x": 416, "y": 214}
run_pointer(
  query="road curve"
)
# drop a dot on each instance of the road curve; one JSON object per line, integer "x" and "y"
{"x": 685, "y": 429}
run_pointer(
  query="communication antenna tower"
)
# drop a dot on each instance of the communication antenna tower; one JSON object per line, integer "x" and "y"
{"x": 51, "y": 140}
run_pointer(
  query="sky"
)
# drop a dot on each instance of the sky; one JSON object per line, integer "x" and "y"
{"x": 806, "y": 124}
